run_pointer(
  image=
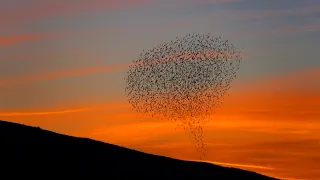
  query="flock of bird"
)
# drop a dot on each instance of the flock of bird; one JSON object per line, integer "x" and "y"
{"x": 183, "y": 80}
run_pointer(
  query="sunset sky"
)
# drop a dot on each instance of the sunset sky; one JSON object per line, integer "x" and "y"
{"x": 63, "y": 64}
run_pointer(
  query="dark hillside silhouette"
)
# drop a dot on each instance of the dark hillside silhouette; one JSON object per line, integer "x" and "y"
{"x": 29, "y": 152}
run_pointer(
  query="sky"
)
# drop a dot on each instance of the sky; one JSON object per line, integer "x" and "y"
{"x": 63, "y": 64}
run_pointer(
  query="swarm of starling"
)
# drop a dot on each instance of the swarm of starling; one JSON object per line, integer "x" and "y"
{"x": 183, "y": 80}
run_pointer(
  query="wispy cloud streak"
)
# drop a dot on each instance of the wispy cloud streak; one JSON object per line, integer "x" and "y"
{"x": 66, "y": 111}
{"x": 8, "y": 40}
{"x": 59, "y": 74}
{"x": 238, "y": 165}
{"x": 277, "y": 31}
{"x": 44, "y": 112}
{"x": 28, "y": 78}
{"x": 27, "y": 37}
{"x": 259, "y": 14}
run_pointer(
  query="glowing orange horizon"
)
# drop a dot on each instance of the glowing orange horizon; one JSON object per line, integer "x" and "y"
{"x": 267, "y": 111}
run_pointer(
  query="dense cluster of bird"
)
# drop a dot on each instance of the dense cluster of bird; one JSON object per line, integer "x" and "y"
{"x": 183, "y": 80}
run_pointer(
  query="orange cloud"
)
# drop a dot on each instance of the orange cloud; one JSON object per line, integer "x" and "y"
{"x": 13, "y": 39}
{"x": 18, "y": 56}
{"x": 8, "y": 40}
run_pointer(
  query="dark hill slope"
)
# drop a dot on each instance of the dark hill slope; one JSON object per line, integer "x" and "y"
{"x": 29, "y": 152}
